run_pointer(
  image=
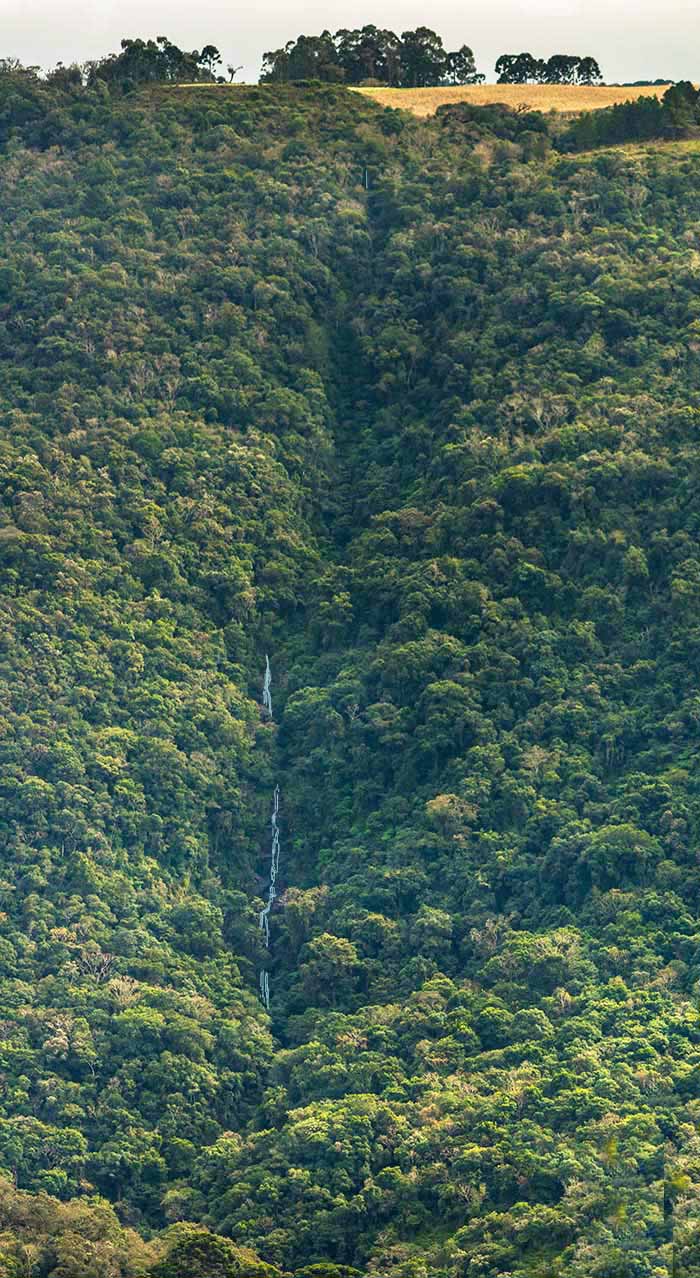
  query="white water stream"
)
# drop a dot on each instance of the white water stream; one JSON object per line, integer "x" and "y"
{"x": 264, "y": 916}
{"x": 267, "y": 685}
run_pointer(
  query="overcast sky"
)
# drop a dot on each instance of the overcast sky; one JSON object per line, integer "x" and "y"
{"x": 632, "y": 39}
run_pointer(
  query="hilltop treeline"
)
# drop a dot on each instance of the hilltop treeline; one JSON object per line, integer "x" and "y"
{"x": 151, "y": 61}
{"x": 434, "y": 447}
{"x": 139, "y": 62}
{"x": 561, "y": 68}
{"x": 415, "y": 59}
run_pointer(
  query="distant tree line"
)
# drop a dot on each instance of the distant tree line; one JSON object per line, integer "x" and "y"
{"x": 140, "y": 62}
{"x": 145, "y": 61}
{"x": 635, "y": 84}
{"x": 416, "y": 59}
{"x": 561, "y": 68}
{"x": 370, "y": 54}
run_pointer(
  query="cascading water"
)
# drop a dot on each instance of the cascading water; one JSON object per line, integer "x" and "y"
{"x": 267, "y": 686}
{"x": 264, "y": 916}
{"x": 265, "y": 988}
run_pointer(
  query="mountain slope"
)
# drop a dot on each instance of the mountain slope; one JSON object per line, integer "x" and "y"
{"x": 433, "y": 447}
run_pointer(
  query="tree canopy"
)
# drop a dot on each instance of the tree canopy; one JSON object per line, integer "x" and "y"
{"x": 432, "y": 447}
{"x": 416, "y": 59}
{"x": 561, "y": 68}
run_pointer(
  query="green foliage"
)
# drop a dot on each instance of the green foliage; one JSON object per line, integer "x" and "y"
{"x": 415, "y": 59}
{"x": 80, "y": 1239}
{"x": 675, "y": 115}
{"x": 434, "y": 448}
{"x": 561, "y": 68}
{"x": 149, "y": 61}
{"x": 193, "y": 1252}
{"x": 152, "y": 528}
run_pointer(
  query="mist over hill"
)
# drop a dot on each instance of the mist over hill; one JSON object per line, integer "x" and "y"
{"x": 412, "y": 409}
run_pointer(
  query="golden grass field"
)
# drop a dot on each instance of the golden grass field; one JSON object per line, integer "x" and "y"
{"x": 537, "y": 97}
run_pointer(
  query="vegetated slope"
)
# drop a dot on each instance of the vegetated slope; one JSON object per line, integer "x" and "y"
{"x": 565, "y": 98}
{"x": 491, "y": 758}
{"x": 434, "y": 448}
{"x": 164, "y": 450}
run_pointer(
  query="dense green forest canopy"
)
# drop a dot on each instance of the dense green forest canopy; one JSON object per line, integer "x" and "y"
{"x": 416, "y": 59}
{"x": 676, "y": 115}
{"x": 561, "y": 68}
{"x": 149, "y": 61}
{"x": 434, "y": 447}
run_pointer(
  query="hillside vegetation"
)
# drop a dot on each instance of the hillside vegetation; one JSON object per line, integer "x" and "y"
{"x": 434, "y": 447}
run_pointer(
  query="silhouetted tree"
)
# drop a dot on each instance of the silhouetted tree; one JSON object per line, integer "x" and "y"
{"x": 423, "y": 58}
{"x": 308, "y": 58}
{"x": 460, "y": 67}
{"x": 561, "y": 68}
{"x": 519, "y": 68}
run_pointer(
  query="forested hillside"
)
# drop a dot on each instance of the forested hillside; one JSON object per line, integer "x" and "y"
{"x": 412, "y": 407}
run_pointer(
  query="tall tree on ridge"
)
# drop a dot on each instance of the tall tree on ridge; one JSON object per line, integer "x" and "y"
{"x": 461, "y": 67}
{"x": 423, "y": 58}
{"x": 308, "y": 58}
{"x": 519, "y": 68}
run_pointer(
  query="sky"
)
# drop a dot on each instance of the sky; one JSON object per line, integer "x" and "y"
{"x": 632, "y": 39}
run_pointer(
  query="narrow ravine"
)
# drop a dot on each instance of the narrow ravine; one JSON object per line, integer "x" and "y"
{"x": 339, "y": 519}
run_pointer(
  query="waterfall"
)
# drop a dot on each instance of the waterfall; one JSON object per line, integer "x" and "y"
{"x": 265, "y": 988}
{"x": 264, "y": 915}
{"x": 267, "y": 685}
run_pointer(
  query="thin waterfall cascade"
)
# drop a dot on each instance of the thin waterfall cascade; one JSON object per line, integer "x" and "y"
{"x": 265, "y": 988}
{"x": 264, "y": 915}
{"x": 267, "y": 686}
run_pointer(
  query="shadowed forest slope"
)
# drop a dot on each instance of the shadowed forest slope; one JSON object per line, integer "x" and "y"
{"x": 434, "y": 446}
